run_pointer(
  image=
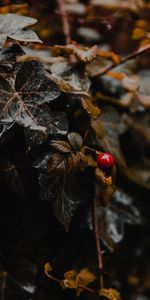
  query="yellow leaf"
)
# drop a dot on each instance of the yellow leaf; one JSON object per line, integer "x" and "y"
{"x": 110, "y": 294}
{"x": 85, "y": 277}
{"x": 116, "y": 75}
{"x": 70, "y": 280}
{"x": 48, "y": 267}
{"x": 91, "y": 109}
{"x": 109, "y": 55}
{"x": 138, "y": 33}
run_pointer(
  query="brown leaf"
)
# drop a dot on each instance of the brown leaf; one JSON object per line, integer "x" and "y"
{"x": 83, "y": 54}
{"x": 61, "y": 146}
{"x": 91, "y": 109}
{"x": 110, "y": 294}
{"x": 109, "y": 55}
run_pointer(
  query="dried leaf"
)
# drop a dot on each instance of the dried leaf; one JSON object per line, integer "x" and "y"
{"x": 85, "y": 277}
{"x": 48, "y": 267}
{"x": 110, "y": 294}
{"x": 91, "y": 109}
{"x": 14, "y": 27}
{"x": 109, "y": 55}
{"x": 70, "y": 79}
{"x": 70, "y": 280}
{"x": 138, "y": 33}
{"x": 83, "y": 54}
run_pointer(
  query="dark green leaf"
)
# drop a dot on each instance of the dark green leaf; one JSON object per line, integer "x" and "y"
{"x": 22, "y": 96}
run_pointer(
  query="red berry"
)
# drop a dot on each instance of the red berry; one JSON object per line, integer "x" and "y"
{"x": 105, "y": 162}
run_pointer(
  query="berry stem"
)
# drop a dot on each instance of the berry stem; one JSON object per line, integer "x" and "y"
{"x": 98, "y": 244}
{"x": 92, "y": 150}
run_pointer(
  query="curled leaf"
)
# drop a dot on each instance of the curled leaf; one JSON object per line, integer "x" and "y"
{"x": 48, "y": 267}
{"x": 83, "y": 54}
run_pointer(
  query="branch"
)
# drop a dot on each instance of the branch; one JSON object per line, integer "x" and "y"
{"x": 140, "y": 51}
{"x": 97, "y": 240}
{"x": 65, "y": 21}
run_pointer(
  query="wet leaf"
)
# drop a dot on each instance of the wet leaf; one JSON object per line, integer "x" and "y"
{"x": 62, "y": 184}
{"x": 75, "y": 139}
{"x": 112, "y": 219}
{"x": 70, "y": 79}
{"x": 14, "y": 27}
{"x": 55, "y": 122}
{"x": 21, "y": 97}
{"x": 108, "y": 129}
{"x": 61, "y": 146}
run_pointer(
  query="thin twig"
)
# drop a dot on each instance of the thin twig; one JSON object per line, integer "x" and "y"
{"x": 65, "y": 21}
{"x": 98, "y": 244}
{"x": 92, "y": 150}
{"x": 140, "y": 51}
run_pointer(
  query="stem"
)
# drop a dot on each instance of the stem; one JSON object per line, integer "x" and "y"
{"x": 141, "y": 50}
{"x": 65, "y": 21}
{"x": 52, "y": 277}
{"x": 92, "y": 150}
{"x": 98, "y": 244}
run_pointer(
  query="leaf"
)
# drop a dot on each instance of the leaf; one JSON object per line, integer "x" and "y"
{"x": 75, "y": 139}
{"x": 47, "y": 267}
{"x": 139, "y": 174}
{"x": 112, "y": 219}
{"x": 61, "y": 146}
{"x": 110, "y": 294}
{"x": 84, "y": 277}
{"x": 83, "y": 54}
{"x": 109, "y": 55}
{"x": 70, "y": 280}
{"x": 55, "y": 122}
{"x": 8, "y": 55}
{"x": 20, "y": 97}
{"x": 14, "y": 27}
{"x": 70, "y": 79}
{"x": 62, "y": 184}
{"x": 7, "y": 131}
{"x": 12, "y": 176}
{"x": 108, "y": 129}
{"x": 77, "y": 281}
{"x": 138, "y": 33}
{"x": 91, "y": 109}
